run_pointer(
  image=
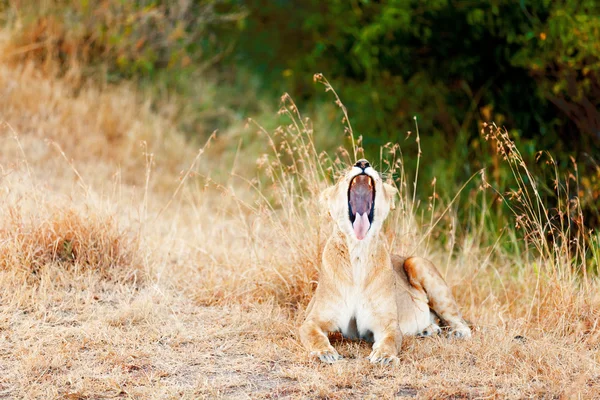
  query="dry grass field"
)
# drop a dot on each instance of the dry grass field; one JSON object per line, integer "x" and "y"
{"x": 135, "y": 264}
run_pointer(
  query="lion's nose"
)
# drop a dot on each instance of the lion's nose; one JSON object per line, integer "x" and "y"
{"x": 362, "y": 164}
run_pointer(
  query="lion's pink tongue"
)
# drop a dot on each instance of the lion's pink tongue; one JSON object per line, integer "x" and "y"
{"x": 361, "y": 225}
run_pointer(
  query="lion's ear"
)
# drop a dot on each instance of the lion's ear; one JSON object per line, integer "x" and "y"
{"x": 390, "y": 193}
{"x": 325, "y": 198}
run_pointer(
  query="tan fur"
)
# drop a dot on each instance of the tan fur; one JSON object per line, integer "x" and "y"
{"x": 364, "y": 289}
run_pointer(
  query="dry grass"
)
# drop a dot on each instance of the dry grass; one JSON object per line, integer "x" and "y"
{"x": 128, "y": 272}
{"x": 69, "y": 240}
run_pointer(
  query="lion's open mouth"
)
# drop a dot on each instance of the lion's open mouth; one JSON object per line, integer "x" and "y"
{"x": 361, "y": 204}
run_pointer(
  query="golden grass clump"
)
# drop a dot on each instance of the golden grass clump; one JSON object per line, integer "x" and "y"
{"x": 68, "y": 239}
{"x": 548, "y": 215}
{"x": 275, "y": 250}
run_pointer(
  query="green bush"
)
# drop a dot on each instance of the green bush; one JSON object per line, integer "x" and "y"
{"x": 452, "y": 63}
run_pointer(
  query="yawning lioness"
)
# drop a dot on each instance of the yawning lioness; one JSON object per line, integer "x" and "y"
{"x": 363, "y": 290}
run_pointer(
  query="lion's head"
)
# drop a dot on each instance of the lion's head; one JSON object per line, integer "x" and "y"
{"x": 360, "y": 201}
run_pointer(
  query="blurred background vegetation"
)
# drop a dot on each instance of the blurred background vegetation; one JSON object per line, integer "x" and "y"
{"x": 532, "y": 66}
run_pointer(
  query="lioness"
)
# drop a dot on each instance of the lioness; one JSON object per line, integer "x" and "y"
{"x": 363, "y": 290}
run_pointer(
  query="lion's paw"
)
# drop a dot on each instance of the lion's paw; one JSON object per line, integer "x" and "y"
{"x": 378, "y": 356}
{"x": 459, "y": 332}
{"x": 431, "y": 330}
{"x": 328, "y": 356}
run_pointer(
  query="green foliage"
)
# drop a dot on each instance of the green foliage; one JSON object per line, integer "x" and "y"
{"x": 452, "y": 63}
{"x": 562, "y": 53}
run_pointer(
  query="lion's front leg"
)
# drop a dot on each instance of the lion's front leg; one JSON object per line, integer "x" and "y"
{"x": 313, "y": 335}
{"x": 388, "y": 341}
{"x": 385, "y": 350}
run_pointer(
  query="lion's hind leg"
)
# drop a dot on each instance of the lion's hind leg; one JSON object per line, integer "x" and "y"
{"x": 423, "y": 275}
